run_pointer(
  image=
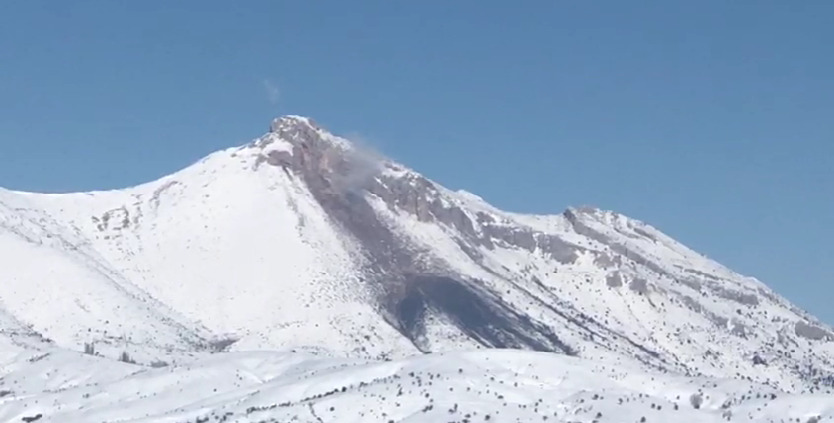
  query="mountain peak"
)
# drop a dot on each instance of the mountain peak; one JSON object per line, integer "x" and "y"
{"x": 301, "y": 131}
{"x": 285, "y": 122}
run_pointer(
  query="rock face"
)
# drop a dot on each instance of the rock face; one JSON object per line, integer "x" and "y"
{"x": 302, "y": 239}
{"x": 815, "y": 333}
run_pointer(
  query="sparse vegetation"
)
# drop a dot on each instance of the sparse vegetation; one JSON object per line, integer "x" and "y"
{"x": 125, "y": 358}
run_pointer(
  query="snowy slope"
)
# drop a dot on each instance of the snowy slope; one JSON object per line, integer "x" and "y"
{"x": 242, "y": 252}
{"x": 495, "y": 386}
{"x": 301, "y": 240}
{"x": 55, "y": 284}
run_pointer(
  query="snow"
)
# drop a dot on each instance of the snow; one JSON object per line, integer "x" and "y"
{"x": 494, "y": 385}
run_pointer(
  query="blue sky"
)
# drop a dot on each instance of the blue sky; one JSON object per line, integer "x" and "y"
{"x": 711, "y": 120}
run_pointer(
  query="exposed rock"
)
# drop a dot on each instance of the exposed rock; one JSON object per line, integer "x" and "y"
{"x": 692, "y": 283}
{"x": 639, "y": 285}
{"x": 614, "y": 280}
{"x": 606, "y": 260}
{"x": 812, "y": 332}
{"x": 739, "y": 297}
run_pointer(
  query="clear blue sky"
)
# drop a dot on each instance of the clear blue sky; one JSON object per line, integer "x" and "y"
{"x": 712, "y": 120}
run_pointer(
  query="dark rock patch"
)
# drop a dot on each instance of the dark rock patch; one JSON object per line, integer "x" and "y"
{"x": 814, "y": 333}
{"x": 482, "y": 317}
{"x": 737, "y": 296}
{"x": 692, "y": 283}
{"x": 639, "y": 285}
{"x": 614, "y": 280}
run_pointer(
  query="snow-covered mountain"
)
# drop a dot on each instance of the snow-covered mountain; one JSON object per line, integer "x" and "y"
{"x": 302, "y": 240}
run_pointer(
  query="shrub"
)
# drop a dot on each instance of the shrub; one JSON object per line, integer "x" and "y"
{"x": 126, "y": 358}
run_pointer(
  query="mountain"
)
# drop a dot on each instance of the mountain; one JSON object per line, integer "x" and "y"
{"x": 301, "y": 240}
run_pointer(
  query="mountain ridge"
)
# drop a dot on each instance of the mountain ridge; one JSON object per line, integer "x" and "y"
{"x": 301, "y": 239}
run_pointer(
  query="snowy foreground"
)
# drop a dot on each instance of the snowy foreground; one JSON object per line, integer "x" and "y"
{"x": 494, "y": 385}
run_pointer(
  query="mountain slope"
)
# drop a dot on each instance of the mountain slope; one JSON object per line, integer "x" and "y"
{"x": 492, "y": 386}
{"x": 301, "y": 239}
{"x": 55, "y": 283}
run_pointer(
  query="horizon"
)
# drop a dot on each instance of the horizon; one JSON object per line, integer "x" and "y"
{"x": 710, "y": 123}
